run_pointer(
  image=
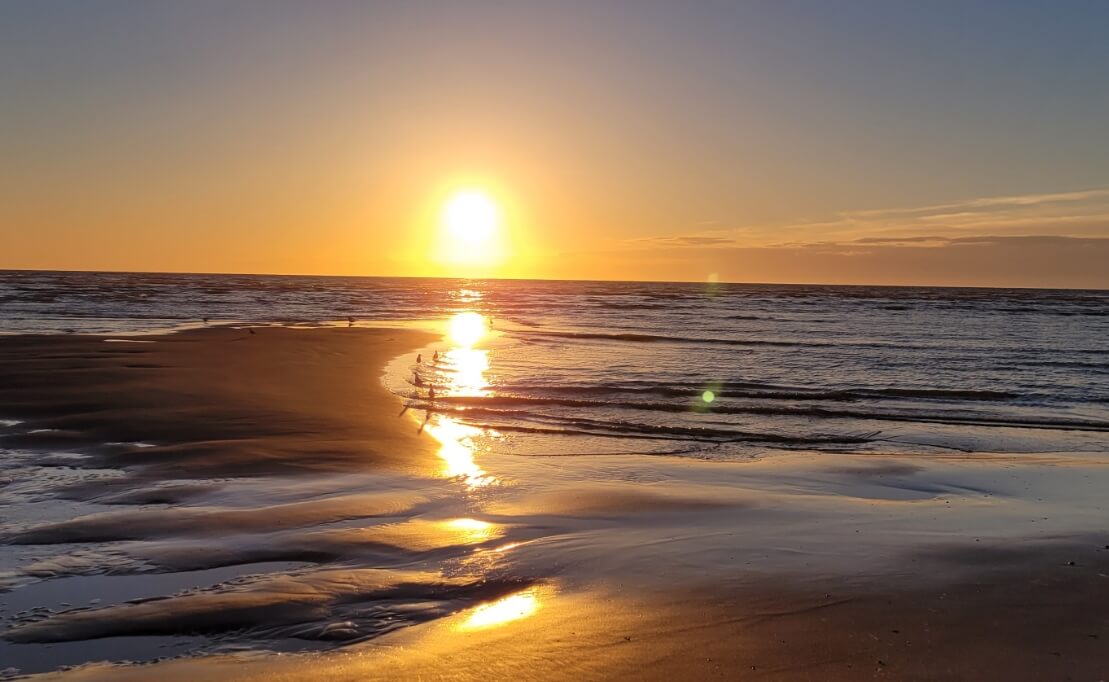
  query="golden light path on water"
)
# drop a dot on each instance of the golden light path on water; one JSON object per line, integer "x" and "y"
{"x": 466, "y": 329}
{"x": 467, "y": 367}
{"x": 473, "y": 531}
{"x": 460, "y": 371}
{"x": 456, "y": 449}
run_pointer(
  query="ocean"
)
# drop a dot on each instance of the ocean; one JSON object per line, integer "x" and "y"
{"x": 705, "y": 370}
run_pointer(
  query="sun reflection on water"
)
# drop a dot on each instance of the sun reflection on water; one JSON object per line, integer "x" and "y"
{"x": 457, "y": 451}
{"x": 464, "y": 371}
{"x": 505, "y": 610}
{"x": 466, "y": 295}
{"x": 459, "y": 372}
{"x": 473, "y": 531}
{"x": 466, "y": 329}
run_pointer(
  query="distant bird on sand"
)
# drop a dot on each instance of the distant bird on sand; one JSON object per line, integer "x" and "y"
{"x": 350, "y": 321}
{"x": 205, "y": 320}
{"x": 251, "y": 330}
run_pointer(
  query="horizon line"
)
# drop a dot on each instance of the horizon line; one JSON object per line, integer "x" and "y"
{"x": 548, "y": 279}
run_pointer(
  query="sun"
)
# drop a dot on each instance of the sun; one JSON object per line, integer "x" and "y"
{"x": 471, "y": 216}
{"x": 472, "y": 236}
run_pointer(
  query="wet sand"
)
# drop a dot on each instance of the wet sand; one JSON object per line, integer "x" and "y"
{"x": 217, "y": 402}
{"x": 230, "y": 495}
{"x": 1031, "y": 621}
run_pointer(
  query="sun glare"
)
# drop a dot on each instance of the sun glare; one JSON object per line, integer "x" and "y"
{"x": 471, "y": 216}
{"x": 466, "y": 329}
{"x": 472, "y": 237}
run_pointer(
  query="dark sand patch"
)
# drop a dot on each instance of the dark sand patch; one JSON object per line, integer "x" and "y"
{"x": 220, "y": 403}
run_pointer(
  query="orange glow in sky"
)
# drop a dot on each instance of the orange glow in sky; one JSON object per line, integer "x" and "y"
{"x": 747, "y": 141}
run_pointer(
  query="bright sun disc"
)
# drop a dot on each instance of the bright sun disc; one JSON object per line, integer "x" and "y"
{"x": 472, "y": 236}
{"x": 471, "y": 216}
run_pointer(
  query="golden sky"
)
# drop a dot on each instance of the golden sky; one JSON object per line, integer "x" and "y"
{"x": 742, "y": 142}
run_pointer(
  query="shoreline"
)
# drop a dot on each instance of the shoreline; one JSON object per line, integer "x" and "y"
{"x": 279, "y": 458}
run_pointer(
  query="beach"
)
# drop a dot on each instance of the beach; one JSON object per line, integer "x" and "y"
{"x": 636, "y": 341}
{"x": 475, "y": 341}
{"x": 251, "y": 502}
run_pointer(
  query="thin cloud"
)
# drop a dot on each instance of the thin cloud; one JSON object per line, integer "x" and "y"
{"x": 993, "y": 202}
{"x": 685, "y": 240}
{"x": 1077, "y": 213}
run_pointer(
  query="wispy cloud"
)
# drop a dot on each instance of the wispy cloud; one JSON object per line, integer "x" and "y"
{"x": 1075, "y": 213}
{"x": 995, "y": 202}
{"x": 871, "y": 245}
{"x": 690, "y": 240}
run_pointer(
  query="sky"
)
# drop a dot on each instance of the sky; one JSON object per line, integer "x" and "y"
{"x": 934, "y": 142}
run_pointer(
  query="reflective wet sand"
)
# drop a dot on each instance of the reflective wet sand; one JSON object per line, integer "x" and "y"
{"x": 369, "y": 543}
